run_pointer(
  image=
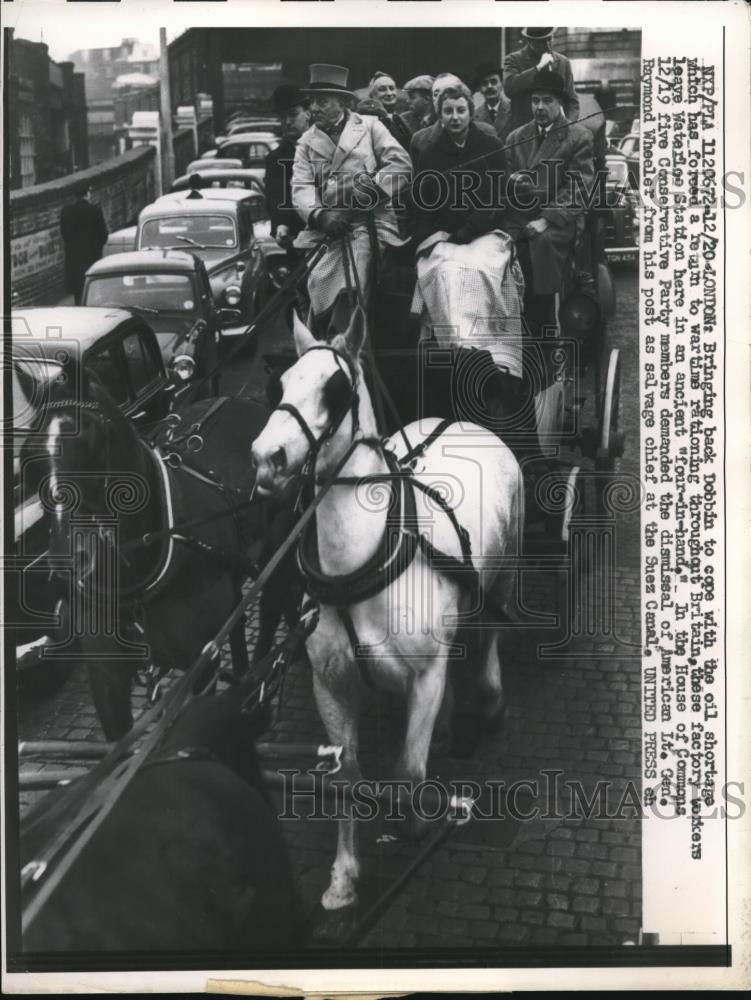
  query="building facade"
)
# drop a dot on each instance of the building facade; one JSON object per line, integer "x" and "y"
{"x": 47, "y": 119}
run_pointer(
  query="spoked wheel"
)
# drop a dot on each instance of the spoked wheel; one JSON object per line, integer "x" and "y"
{"x": 610, "y": 436}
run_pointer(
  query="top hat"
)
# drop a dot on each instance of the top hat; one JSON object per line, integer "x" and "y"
{"x": 328, "y": 79}
{"x": 550, "y": 82}
{"x": 486, "y": 69}
{"x": 537, "y": 34}
{"x": 287, "y": 96}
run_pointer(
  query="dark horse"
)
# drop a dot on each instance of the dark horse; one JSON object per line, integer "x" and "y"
{"x": 190, "y": 859}
{"x": 150, "y": 559}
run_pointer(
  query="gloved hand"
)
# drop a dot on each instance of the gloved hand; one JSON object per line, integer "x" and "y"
{"x": 546, "y": 60}
{"x": 333, "y": 223}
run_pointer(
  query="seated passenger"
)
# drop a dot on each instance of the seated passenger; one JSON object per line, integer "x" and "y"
{"x": 469, "y": 286}
{"x": 551, "y": 166}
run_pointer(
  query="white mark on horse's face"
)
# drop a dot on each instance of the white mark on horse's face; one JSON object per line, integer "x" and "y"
{"x": 282, "y": 448}
{"x": 53, "y": 437}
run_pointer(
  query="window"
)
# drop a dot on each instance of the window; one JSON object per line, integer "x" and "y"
{"x": 103, "y": 365}
{"x": 142, "y": 368}
{"x": 184, "y": 231}
{"x": 165, "y": 292}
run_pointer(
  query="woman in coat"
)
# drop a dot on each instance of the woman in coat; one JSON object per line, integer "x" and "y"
{"x": 469, "y": 284}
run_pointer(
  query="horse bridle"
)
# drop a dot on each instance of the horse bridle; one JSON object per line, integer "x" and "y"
{"x": 352, "y": 406}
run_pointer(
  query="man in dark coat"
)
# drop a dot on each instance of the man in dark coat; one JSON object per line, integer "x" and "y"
{"x": 383, "y": 89}
{"x": 521, "y": 68}
{"x": 495, "y": 108}
{"x": 84, "y": 233}
{"x": 552, "y": 172}
{"x": 292, "y": 107}
{"x": 419, "y": 94}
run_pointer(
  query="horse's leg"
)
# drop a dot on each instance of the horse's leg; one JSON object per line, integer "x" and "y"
{"x": 110, "y": 680}
{"x": 492, "y": 700}
{"x": 338, "y": 701}
{"x": 423, "y": 703}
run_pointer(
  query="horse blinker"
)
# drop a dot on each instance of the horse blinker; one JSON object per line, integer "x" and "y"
{"x": 337, "y": 395}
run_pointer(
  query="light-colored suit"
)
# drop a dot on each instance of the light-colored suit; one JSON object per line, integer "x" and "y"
{"x": 322, "y": 177}
{"x": 323, "y": 173}
{"x": 560, "y": 170}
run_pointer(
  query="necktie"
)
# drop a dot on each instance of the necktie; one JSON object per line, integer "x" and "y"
{"x": 540, "y": 138}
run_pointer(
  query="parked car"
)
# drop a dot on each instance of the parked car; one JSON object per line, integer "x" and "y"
{"x": 251, "y": 123}
{"x": 622, "y": 212}
{"x": 250, "y": 147}
{"x": 213, "y": 164}
{"x": 232, "y": 177}
{"x": 115, "y": 348}
{"x": 218, "y": 225}
{"x": 630, "y": 148}
{"x": 171, "y": 290}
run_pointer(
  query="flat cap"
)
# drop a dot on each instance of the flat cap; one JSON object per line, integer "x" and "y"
{"x": 423, "y": 82}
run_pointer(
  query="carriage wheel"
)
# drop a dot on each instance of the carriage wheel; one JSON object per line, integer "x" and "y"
{"x": 610, "y": 437}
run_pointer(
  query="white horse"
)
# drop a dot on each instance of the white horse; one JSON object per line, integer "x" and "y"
{"x": 408, "y": 627}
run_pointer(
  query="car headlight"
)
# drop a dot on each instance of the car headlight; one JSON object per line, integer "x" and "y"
{"x": 232, "y": 295}
{"x": 184, "y": 367}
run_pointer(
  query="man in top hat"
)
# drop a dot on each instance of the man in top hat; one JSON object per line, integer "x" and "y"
{"x": 419, "y": 94}
{"x": 349, "y": 171}
{"x": 292, "y": 107}
{"x": 551, "y": 174}
{"x": 495, "y": 108}
{"x": 521, "y": 68}
{"x": 383, "y": 89}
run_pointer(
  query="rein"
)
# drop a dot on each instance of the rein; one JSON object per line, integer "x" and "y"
{"x": 96, "y": 794}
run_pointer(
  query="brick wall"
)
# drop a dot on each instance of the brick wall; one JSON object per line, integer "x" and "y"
{"x": 183, "y": 143}
{"x": 121, "y": 186}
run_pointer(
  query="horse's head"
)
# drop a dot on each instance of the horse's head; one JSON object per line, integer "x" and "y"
{"x": 320, "y": 405}
{"x": 93, "y": 472}
{"x": 88, "y": 442}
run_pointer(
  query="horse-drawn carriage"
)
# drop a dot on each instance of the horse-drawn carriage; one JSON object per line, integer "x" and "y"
{"x": 414, "y": 521}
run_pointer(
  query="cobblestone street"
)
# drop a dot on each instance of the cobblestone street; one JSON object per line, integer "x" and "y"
{"x": 574, "y": 719}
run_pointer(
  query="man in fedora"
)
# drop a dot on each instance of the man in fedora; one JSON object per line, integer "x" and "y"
{"x": 349, "y": 173}
{"x": 521, "y": 68}
{"x": 383, "y": 89}
{"x": 495, "y": 108}
{"x": 419, "y": 94}
{"x": 551, "y": 173}
{"x": 291, "y": 105}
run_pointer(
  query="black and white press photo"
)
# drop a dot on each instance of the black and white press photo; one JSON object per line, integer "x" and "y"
{"x": 365, "y": 561}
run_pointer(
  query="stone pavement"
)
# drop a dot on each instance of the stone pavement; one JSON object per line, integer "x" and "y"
{"x": 559, "y": 877}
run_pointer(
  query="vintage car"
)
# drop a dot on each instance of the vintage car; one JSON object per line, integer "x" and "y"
{"x": 621, "y": 212}
{"x": 250, "y": 147}
{"x": 212, "y": 164}
{"x": 115, "y": 348}
{"x": 171, "y": 289}
{"x": 217, "y": 177}
{"x": 228, "y": 229}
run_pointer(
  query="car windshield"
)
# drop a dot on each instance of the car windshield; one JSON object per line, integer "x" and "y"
{"x": 201, "y": 231}
{"x": 160, "y": 292}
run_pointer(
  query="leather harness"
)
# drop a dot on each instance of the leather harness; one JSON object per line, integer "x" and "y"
{"x": 401, "y": 537}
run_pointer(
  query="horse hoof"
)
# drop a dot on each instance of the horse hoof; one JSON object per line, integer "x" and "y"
{"x": 332, "y": 927}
